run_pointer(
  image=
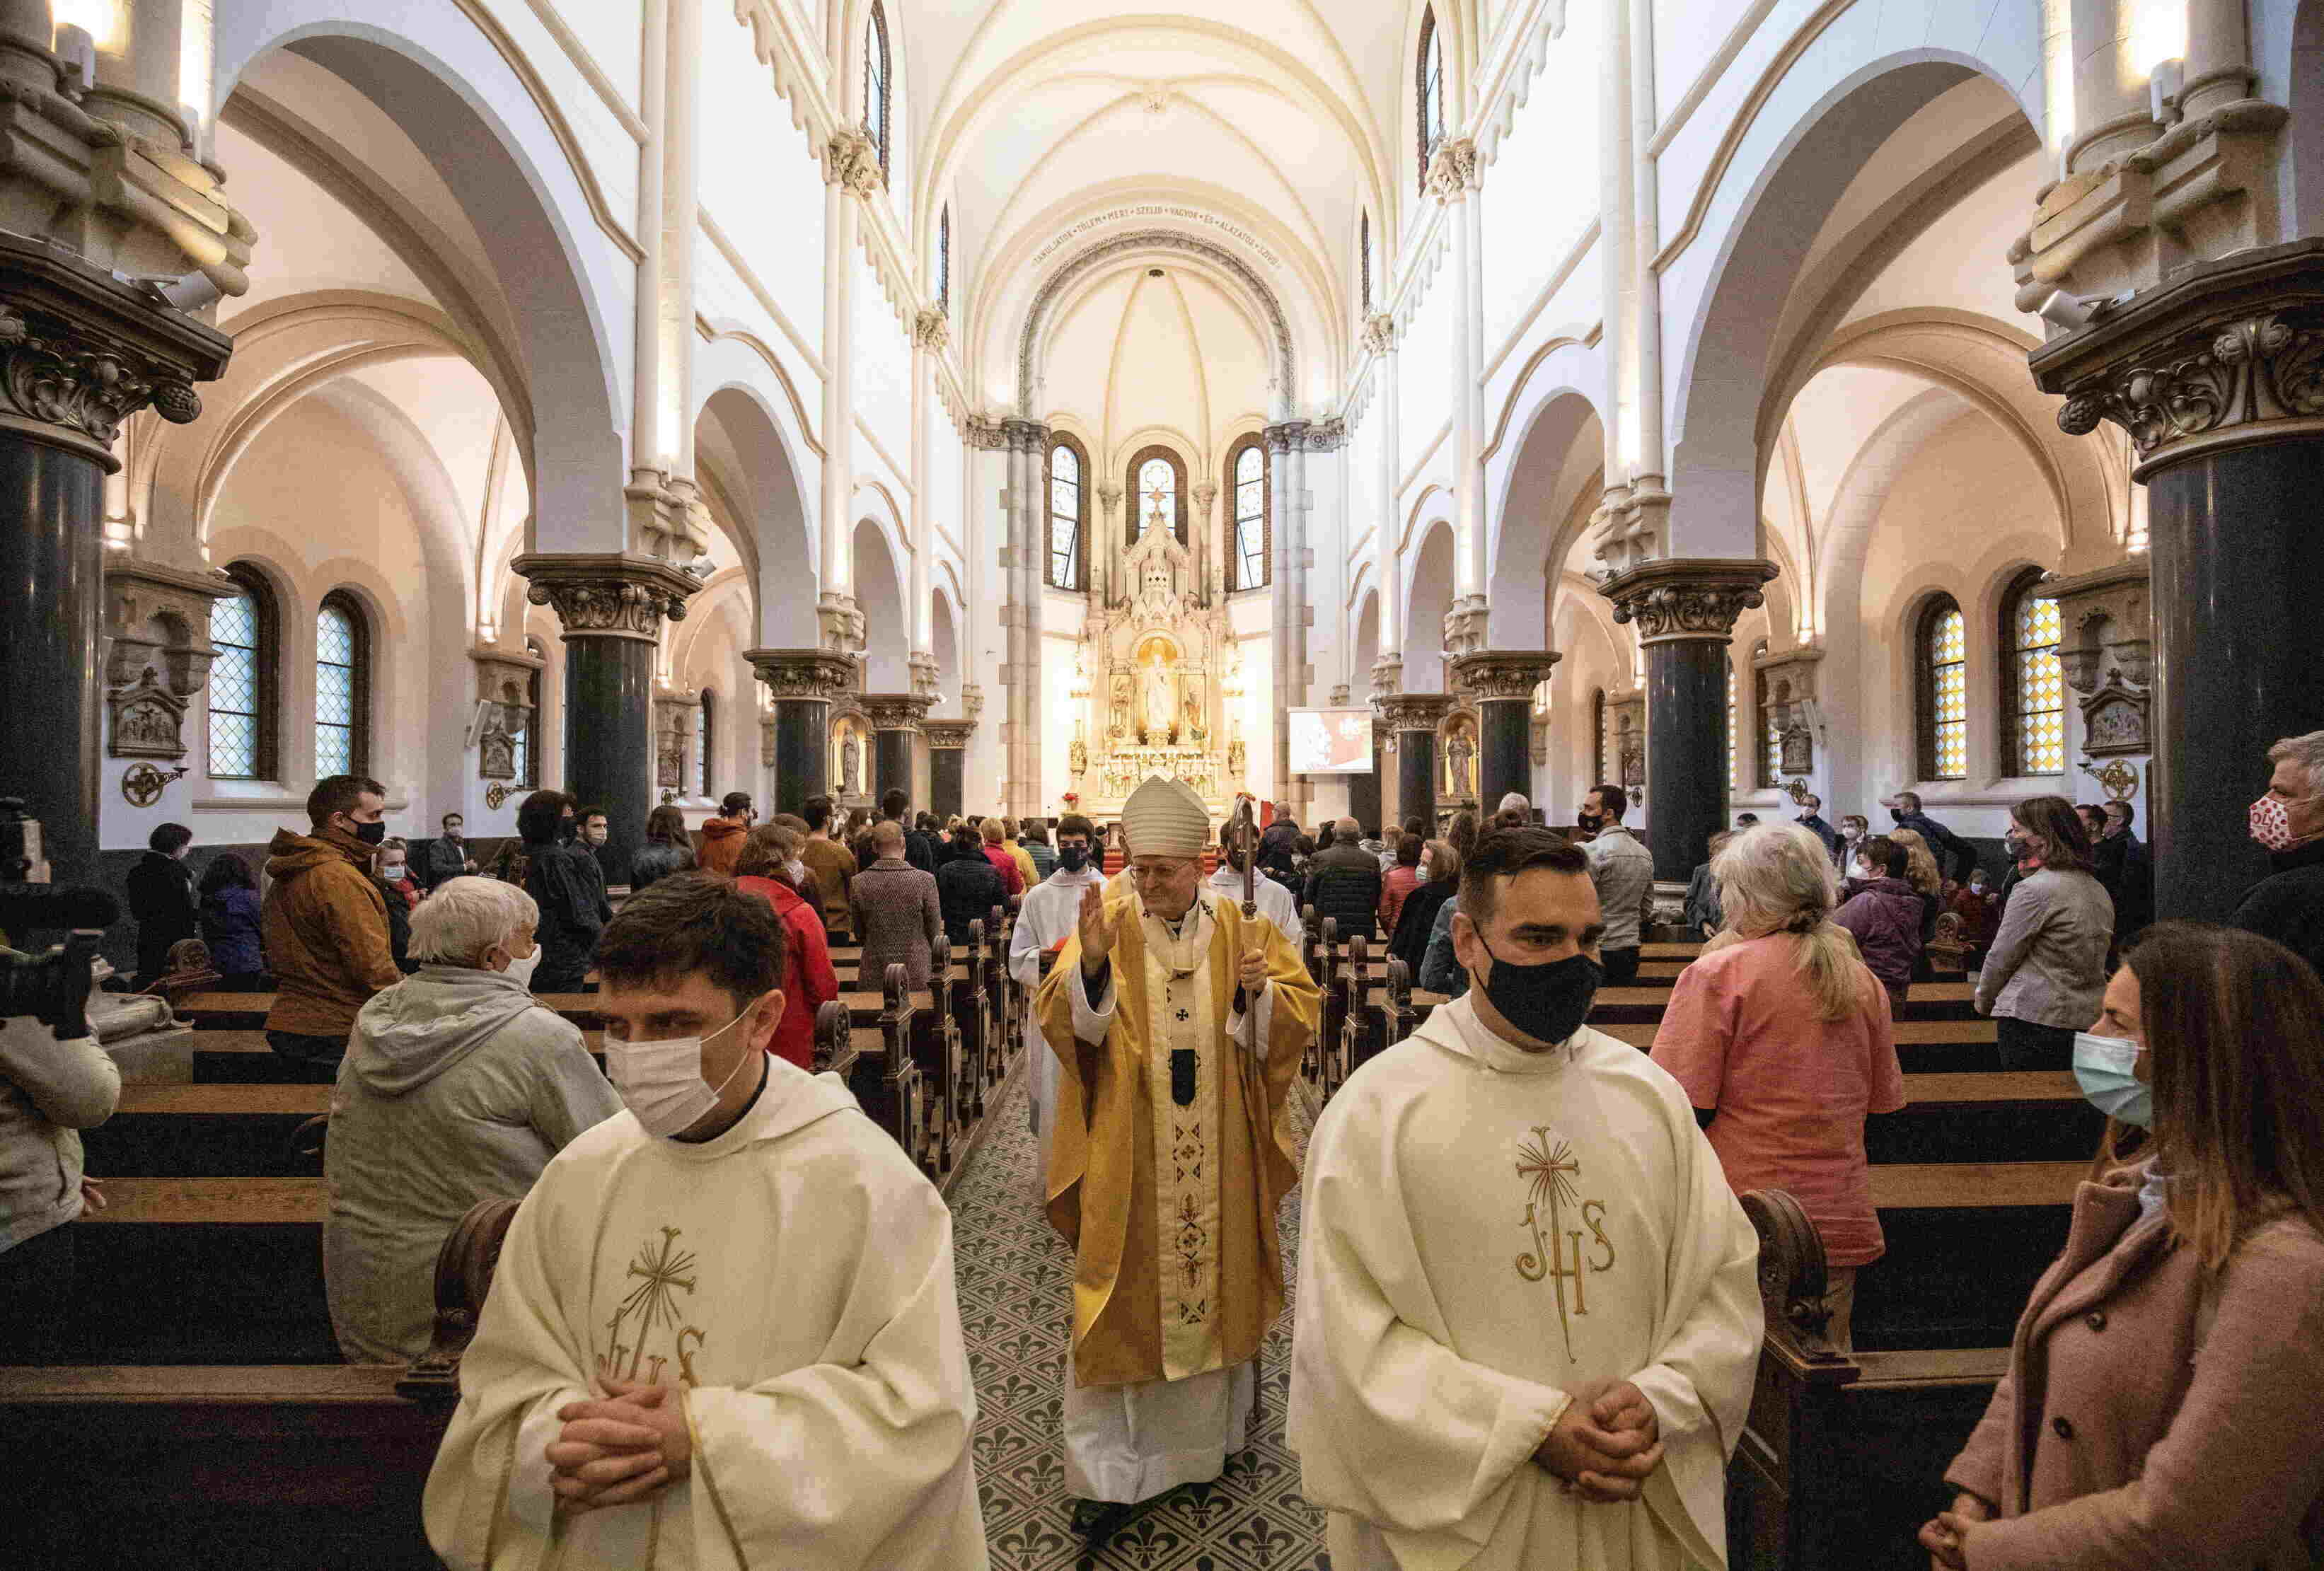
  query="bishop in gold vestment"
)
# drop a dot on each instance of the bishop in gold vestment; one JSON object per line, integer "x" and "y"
{"x": 1164, "y": 1173}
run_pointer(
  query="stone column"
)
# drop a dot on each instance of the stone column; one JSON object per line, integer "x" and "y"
{"x": 666, "y": 513}
{"x": 80, "y": 352}
{"x": 931, "y": 335}
{"x": 1684, "y": 610}
{"x": 1286, "y": 597}
{"x": 1503, "y": 681}
{"x": 896, "y": 719}
{"x": 803, "y": 682}
{"x": 2214, "y": 375}
{"x": 1364, "y": 791}
{"x": 1453, "y": 180}
{"x": 612, "y": 606}
{"x": 947, "y": 764}
{"x": 1028, "y": 442}
{"x": 1379, "y": 337}
{"x": 1413, "y": 717}
{"x": 853, "y": 174}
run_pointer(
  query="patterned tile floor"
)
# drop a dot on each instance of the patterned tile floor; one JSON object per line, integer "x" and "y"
{"x": 1015, "y": 1279}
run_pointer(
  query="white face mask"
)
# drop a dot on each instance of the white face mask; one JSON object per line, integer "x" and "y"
{"x": 661, "y": 1081}
{"x": 520, "y": 969}
{"x": 393, "y": 872}
{"x": 797, "y": 871}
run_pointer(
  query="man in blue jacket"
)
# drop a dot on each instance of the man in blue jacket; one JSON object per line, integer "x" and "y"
{"x": 1955, "y": 856}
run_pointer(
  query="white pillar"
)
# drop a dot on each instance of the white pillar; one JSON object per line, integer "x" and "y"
{"x": 853, "y": 173}
{"x": 646, "y": 454}
{"x": 930, "y": 334}
{"x": 680, "y": 155}
{"x": 1387, "y": 398}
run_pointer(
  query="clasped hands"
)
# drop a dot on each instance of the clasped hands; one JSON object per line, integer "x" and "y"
{"x": 1942, "y": 1535}
{"x": 1606, "y": 1443}
{"x": 622, "y": 1449}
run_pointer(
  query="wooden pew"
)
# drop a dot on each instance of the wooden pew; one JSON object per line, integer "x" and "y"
{"x": 199, "y": 1131}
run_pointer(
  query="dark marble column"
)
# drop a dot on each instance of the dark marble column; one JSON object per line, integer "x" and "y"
{"x": 896, "y": 719}
{"x": 1684, "y": 610}
{"x": 803, "y": 682}
{"x": 2214, "y": 377}
{"x": 948, "y": 764}
{"x": 80, "y": 352}
{"x": 613, "y": 606}
{"x": 1364, "y": 790}
{"x": 1413, "y": 717}
{"x": 1503, "y": 681}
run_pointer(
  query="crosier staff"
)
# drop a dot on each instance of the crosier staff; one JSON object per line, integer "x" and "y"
{"x": 1244, "y": 827}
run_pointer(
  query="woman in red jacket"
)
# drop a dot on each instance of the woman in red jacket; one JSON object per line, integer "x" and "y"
{"x": 764, "y": 869}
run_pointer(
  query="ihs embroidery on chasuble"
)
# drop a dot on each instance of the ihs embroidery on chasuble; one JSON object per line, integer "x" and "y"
{"x": 1552, "y": 1172}
{"x": 1183, "y": 1099}
{"x": 649, "y": 1311}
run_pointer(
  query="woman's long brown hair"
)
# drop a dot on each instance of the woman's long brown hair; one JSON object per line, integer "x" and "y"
{"x": 2235, "y": 1034}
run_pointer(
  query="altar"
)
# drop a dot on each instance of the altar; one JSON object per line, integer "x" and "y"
{"x": 1153, "y": 684}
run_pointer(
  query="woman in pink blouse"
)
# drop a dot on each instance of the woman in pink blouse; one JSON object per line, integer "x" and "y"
{"x": 1781, "y": 1037}
{"x": 1402, "y": 879}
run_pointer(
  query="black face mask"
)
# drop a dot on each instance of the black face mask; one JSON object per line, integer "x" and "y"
{"x": 372, "y": 834}
{"x": 1897, "y": 814}
{"x": 1072, "y": 858}
{"x": 1547, "y": 1001}
{"x": 1590, "y": 819}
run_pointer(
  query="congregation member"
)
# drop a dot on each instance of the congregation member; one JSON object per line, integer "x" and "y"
{"x": 829, "y": 862}
{"x": 1012, "y": 875}
{"x": 324, "y": 922}
{"x": 2159, "y": 1408}
{"x": 1882, "y": 913}
{"x": 1051, "y": 911}
{"x": 1417, "y": 920}
{"x": 52, "y": 1087}
{"x": 898, "y": 916}
{"x": 161, "y": 900}
{"x": 564, "y": 881}
{"x": 459, "y": 1087}
{"x": 1274, "y": 901}
{"x": 1979, "y": 911}
{"x": 1853, "y": 827}
{"x": 1703, "y": 916}
{"x": 1922, "y": 872}
{"x": 1343, "y": 882}
{"x": 668, "y": 848}
{"x": 1146, "y": 1012}
{"x": 1401, "y": 878}
{"x": 1528, "y": 1318}
{"x": 1954, "y": 856}
{"x": 1379, "y": 846}
{"x": 968, "y": 885}
{"x": 895, "y": 804}
{"x": 722, "y": 834}
{"x": 391, "y": 869}
{"x": 1279, "y": 842}
{"x": 595, "y": 836}
{"x": 1028, "y": 872}
{"x": 1812, "y": 819}
{"x": 448, "y": 855}
{"x": 2046, "y": 970}
{"x": 1033, "y": 836}
{"x": 1623, "y": 870}
{"x": 2288, "y": 904}
{"x": 1515, "y": 811}
{"x": 230, "y": 923}
{"x": 1439, "y": 970}
{"x": 768, "y": 869}
{"x": 790, "y": 1387}
{"x": 2127, "y": 870}
{"x": 1781, "y": 1038}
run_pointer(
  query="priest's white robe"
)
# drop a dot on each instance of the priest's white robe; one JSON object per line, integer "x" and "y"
{"x": 1051, "y": 912}
{"x": 1485, "y": 1230}
{"x": 794, "y": 1278}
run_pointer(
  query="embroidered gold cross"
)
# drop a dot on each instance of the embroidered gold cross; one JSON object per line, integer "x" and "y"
{"x": 1550, "y": 1169}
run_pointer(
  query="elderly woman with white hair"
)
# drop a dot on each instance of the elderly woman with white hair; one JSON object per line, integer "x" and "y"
{"x": 458, "y": 1087}
{"x": 1781, "y": 1037}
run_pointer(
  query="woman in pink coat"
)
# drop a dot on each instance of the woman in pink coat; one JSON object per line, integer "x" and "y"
{"x": 2160, "y": 1404}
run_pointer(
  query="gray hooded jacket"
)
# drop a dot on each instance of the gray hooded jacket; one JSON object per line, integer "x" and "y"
{"x": 458, "y": 1087}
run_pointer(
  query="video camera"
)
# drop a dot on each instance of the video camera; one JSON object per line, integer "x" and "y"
{"x": 53, "y": 987}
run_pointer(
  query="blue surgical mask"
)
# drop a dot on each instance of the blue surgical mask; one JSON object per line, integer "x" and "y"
{"x": 2103, "y": 1067}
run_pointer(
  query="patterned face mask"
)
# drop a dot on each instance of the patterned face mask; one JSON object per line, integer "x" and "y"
{"x": 2280, "y": 825}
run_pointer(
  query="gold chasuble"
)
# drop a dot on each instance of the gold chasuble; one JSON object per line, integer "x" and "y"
{"x": 1151, "y": 1172}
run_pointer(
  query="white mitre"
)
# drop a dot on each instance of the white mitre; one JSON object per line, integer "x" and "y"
{"x": 1165, "y": 818}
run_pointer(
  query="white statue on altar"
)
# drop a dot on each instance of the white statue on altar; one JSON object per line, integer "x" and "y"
{"x": 1160, "y": 706}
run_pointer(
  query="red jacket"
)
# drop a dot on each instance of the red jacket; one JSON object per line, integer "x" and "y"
{"x": 808, "y": 981}
{"x": 1012, "y": 877}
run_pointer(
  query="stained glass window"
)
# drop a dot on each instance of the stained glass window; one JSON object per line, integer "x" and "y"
{"x": 1432, "y": 92}
{"x": 2036, "y": 700}
{"x": 239, "y": 693}
{"x": 1943, "y": 699}
{"x": 1597, "y": 735}
{"x": 1068, "y": 515}
{"x": 1250, "y": 515}
{"x": 340, "y": 687}
{"x": 1157, "y": 495}
{"x": 875, "y": 81}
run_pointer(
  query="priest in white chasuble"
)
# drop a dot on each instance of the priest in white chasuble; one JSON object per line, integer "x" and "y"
{"x": 723, "y": 1331}
{"x": 1528, "y": 1321}
{"x": 1168, "y": 1160}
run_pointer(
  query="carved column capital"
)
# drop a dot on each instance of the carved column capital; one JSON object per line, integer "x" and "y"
{"x": 1025, "y": 435}
{"x": 2225, "y": 353}
{"x": 1285, "y": 437}
{"x": 927, "y": 677}
{"x": 986, "y": 434}
{"x": 897, "y": 711}
{"x": 81, "y": 351}
{"x": 1388, "y": 677}
{"x": 972, "y": 700}
{"x": 948, "y": 734}
{"x": 1687, "y": 598}
{"x": 1380, "y": 334}
{"x": 1506, "y": 673}
{"x": 804, "y": 673}
{"x": 1206, "y": 492}
{"x": 1452, "y": 172}
{"x": 1464, "y": 627}
{"x": 932, "y": 332}
{"x": 840, "y": 621}
{"x": 608, "y": 594}
{"x": 852, "y": 159}
{"x": 1414, "y": 711}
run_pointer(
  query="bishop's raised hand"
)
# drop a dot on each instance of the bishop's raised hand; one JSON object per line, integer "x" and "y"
{"x": 1096, "y": 932}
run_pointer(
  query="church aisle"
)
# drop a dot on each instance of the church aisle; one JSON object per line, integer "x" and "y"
{"x": 1015, "y": 1279}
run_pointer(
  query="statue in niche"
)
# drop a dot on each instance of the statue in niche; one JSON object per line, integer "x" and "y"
{"x": 1459, "y": 765}
{"x": 1158, "y": 702}
{"x": 1122, "y": 721}
{"x": 1190, "y": 733}
{"x": 851, "y": 765}
{"x": 1077, "y": 758}
{"x": 1237, "y": 759}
